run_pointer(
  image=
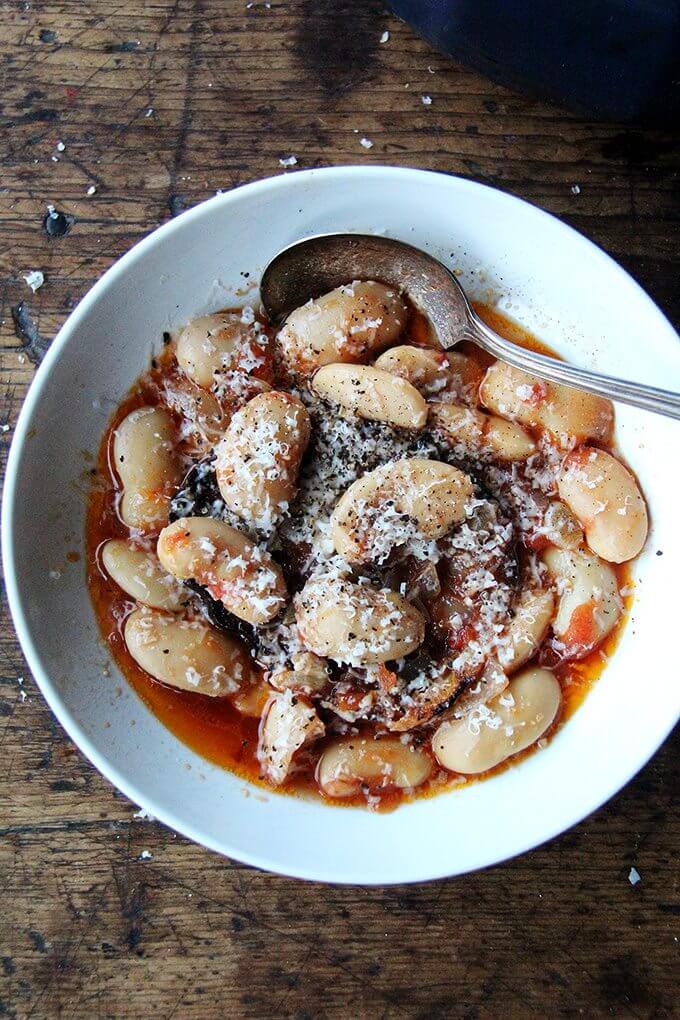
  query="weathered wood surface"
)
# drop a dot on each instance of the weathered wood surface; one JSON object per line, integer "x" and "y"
{"x": 157, "y": 106}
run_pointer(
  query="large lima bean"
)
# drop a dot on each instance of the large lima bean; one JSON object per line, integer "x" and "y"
{"x": 349, "y": 324}
{"x": 351, "y": 764}
{"x": 373, "y": 394}
{"x": 201, "y": 410}
{"x": 588, "y": 600}
{"x": 482, "y": 433}
{"x": 434, "y": 372}
{"x": 506, "y": 725}
{"x": 240, "y": 575}
{"x": 430, "y": 493}
{"x": 213, "y": 344}
{"x": 146, "y": 460}
{"x": 565, "y": 412}
{"x": 258, "y": 459}
{"x": 288, "y": 723}
{"x": 187, "y": 654}
{"x": 140, "y": 575}
{"x": 529, "y": 625}
{"x": 605, "y": 498}
{"x": 356, "y": 623}
{"x": 309, "y": 674}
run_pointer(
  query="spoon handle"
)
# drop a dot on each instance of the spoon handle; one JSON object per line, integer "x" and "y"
{"x": 648, "y": 397}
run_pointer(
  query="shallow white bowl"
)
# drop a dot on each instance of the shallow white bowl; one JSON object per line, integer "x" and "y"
{"x": 541, "y": 272}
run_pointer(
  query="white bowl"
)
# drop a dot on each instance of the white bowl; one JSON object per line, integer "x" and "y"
{"x": 544, "y": 274}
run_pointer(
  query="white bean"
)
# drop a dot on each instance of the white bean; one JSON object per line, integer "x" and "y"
{"x": 352, "y": 764}
{"x": 258, "y": 460}
{"x": 492, "y": 681}
{"x": 201, "y": 410}
{"x": 588, "y": 600}
{"x": 356, "y": 623}
{"x": 605, "y": 498}
{"x": 434, "y": 372}
{"x": 561, "y": 527}
{"x": 424, "y": 367}
{"x": 503, "y": 727}
{"x": 567, "y": 413}
{"x": 433, "y": 495}
{"x": 240, "y": 575}
{"x": 372, "y": 394}
{"x": 530, "y": 622}
{"x": 214, "y": 344}
{"x": 146, "y": 460}
{"x": 348, "y": 324}
{"x": 141, "y": 576}
{"x": 288, "y": 723}
{"x": 189, "y": 655}
{"x": 309, "y": 674}
{"x": 482, "y": 433}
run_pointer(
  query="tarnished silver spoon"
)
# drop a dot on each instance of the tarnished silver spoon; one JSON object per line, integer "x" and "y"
{"x": 318, "y": 264}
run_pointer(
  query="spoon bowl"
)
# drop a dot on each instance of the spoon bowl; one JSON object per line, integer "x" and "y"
{"x": 311, "y": 267}
{"x": 307, "y": 269}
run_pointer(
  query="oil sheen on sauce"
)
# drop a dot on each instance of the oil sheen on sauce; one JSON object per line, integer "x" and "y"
{"x": 213, "y": 727}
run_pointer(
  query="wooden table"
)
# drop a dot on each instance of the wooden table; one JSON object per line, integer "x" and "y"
{"x": 121, "y": 115}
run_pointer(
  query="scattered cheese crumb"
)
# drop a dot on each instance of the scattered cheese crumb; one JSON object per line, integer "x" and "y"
{"x": 55, "y": 574}
{"x": 34, "y": 278}
{"x": 366, "y": 143}
{"x": 426, "y": 100}
{"x": 91, "y": 190}
{"x": 288, "y": 161}
{"x": 575, "y": 190}
{"x": 5, "y": 427}
{"x": 633, "y": 876}
{"x": 60, "y": 146}
{"x": 384, "y": 37}
{"x": 149, "y": 112}
{"x": 145, "y": 855}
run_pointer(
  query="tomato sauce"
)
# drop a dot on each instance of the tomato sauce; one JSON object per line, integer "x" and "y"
{"x": 213, "y": 727}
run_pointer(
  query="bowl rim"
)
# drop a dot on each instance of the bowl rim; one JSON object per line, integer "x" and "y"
{"x": 75, "y": 731}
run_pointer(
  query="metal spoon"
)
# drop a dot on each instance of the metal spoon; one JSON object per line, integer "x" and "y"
{"x": 318, "y": 264}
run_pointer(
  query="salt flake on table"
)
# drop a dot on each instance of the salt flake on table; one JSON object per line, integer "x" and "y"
{"x": 384, "y": 37}
{"x": 366, "y": 143}
{"x": 145, "y": 855}
{"x": 426, "y": 100}
{"x": 60, "y": 146}
{"x": 288, "y": 161}
{"x": 144, "y": 816}
{"x": 633, "y": 876}
{"x": 575, "y": 190}
{"x": 5, "y": 427}
{"x": 91, "y": 190}
{"x": 149, "y": 112}
{"x": 34, "y": 278}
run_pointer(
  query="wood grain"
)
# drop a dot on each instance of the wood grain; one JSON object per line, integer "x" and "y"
{"x": 158, "y": 105}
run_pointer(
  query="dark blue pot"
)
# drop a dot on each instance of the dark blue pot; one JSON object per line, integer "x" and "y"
{"x": 618, "y": 59}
